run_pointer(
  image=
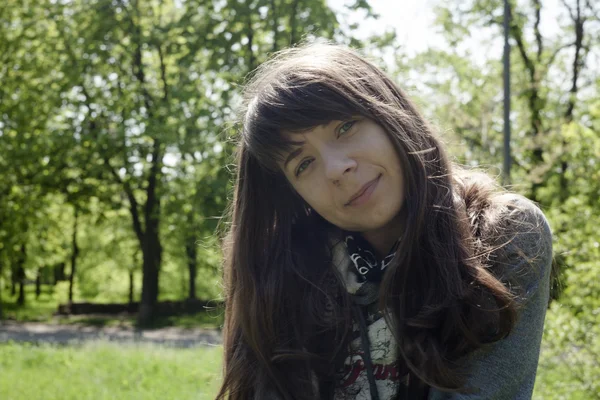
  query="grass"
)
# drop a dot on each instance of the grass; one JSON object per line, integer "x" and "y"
{"x": 38, "y": 310}
{"x": 99, "y": 370}
{"x": 103, "y": 371}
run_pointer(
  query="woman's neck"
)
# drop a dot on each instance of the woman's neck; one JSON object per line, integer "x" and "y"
{"x": 384, "y": 238}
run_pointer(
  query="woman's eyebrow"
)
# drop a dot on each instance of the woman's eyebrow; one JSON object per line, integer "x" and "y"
{"x": 292, "y": 155}
{"x": 298, "y": 151}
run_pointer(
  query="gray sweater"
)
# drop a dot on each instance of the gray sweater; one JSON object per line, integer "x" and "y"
{"x": 505, "y": 369}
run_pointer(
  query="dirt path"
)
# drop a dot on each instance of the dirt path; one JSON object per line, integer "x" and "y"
{"x": 73, "y": 334}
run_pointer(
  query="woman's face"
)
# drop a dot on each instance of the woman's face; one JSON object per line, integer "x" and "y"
{"x": 349, "y": 173}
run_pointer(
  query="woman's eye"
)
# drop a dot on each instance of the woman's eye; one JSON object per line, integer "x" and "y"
{"x": 346, "y": 127}
{"x": 303, "y": 165}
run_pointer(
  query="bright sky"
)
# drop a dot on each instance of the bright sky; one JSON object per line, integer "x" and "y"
{"x": 414, "y": 20}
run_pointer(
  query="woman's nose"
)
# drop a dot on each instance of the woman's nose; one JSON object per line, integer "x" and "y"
{"x": 337, "y": 165}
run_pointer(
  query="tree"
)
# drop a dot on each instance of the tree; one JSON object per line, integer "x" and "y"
{"x": 133, "y": 103}
{"x": 556, "y": 148}
{"x": 537, "y": 62}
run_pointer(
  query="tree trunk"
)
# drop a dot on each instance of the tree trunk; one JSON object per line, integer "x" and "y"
{"x": 191, "y": 252}
{"x": 150, "y": 269}
{"x": 130, "y": 287}
{"x": 151, "y": 253}
{"x": 38, "y": 283}
{"x": 149, "y": 237}
{"x": 1, "y": 313}
{"x": 250, "y": 36}
{"x": 151, "y": 247}
{"x": 275, "y": 22}
{"x": 21, "y": 298}
{"x": 294, "y": 22}
{"x": 535, "y": 100}
{"x": 13, "y": 281}
{"x": 577, "y": 66}
{"x": 59, "y": 272}
{"x": 21, "y": 275}
{"x": 74, "y": 254}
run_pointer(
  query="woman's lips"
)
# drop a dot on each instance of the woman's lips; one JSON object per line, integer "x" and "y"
{"x": 364, "y": 194}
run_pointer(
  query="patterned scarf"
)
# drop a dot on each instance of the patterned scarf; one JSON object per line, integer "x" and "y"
{"x": 366, "y": 263}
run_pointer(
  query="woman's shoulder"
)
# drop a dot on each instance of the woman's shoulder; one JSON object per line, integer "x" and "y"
{"x": 521, "y": 257}
{"x": 520, "y": 240}
{"x": 498, "y": 215}
{"x": 520, "y": 221}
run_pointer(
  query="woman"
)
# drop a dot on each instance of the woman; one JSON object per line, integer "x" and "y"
{"x": 361, "y": 263}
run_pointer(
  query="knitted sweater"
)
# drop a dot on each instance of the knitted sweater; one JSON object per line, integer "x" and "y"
{"x": 504, "y": 369}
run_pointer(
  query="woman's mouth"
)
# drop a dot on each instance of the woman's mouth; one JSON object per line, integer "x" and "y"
{"x": 364, "y": 193}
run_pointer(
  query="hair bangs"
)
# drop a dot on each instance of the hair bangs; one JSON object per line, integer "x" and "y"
{"x": 291, "y": 107}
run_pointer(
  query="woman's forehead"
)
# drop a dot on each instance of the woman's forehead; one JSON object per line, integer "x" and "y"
{"x": 292, "y": 135}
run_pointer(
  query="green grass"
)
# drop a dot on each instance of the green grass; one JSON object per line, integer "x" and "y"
{"x": 99, "y": 371}
{"x": 111, "y": 371}
{"x": 38, "y": 310}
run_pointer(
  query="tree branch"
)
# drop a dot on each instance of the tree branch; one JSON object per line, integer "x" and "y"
{"x": 151, "y": 197}
{"x": 518, "y": 36}
{"x": 133, "y": 204}
{"x": 577, "y": 62}
{"x": 163, "y": 73}
{"x": 564, "y": 2}
{"x": 592, "y": 10}
{"x": 275, "y": 19}
{"x": 294, "y": 22}
{"x": 250, "y": 36}
{"x": 536, "y": 28}
{"x": 138, "y": 66}
{"x": 558, "y": 50}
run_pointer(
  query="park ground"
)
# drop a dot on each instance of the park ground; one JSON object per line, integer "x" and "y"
{"x": 44, "y": 356}
{"x": 95, "y": 357}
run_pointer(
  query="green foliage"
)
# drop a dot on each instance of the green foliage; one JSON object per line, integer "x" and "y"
{"x": 120, "y": 112}
{"x": 572, "y": 336}
{"x": 555, "y": 149}
{"x": 569, "y": 367}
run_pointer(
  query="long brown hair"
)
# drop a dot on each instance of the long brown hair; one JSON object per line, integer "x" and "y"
{"x": 286, "y": 310}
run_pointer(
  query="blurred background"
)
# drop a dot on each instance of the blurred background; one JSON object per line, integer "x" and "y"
{"x": 116, "y": 139}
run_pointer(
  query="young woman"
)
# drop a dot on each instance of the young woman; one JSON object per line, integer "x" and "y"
{"x": 361, "y": 262}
